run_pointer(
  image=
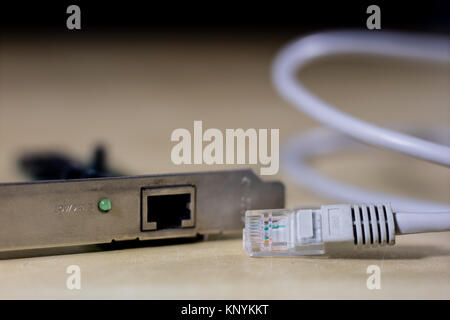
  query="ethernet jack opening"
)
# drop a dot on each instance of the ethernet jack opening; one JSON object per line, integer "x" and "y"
{"x": 171, "y": 207}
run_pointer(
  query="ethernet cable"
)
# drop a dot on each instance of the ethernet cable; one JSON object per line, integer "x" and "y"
{"x": 372, "y": 218}
{"x": 333, "y": 229}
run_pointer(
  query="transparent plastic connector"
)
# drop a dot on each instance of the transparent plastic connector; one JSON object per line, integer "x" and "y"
{"x": 283, "y": 232}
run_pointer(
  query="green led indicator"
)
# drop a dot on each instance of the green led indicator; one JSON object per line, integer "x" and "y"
{"x": 104, "y": 205}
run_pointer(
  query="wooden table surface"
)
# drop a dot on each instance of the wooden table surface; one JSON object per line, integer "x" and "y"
{"x": 131, "y": 92}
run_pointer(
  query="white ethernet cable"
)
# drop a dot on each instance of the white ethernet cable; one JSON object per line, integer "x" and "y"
{"x": 331, "y": 229}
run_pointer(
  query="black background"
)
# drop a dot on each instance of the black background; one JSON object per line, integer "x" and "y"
{"x": 33, "y": 17}
{"x": 286, "y": 310}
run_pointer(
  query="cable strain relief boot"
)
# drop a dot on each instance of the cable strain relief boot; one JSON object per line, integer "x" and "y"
{"x": 364, "y": 225}
{"x": 373, "y": 225}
